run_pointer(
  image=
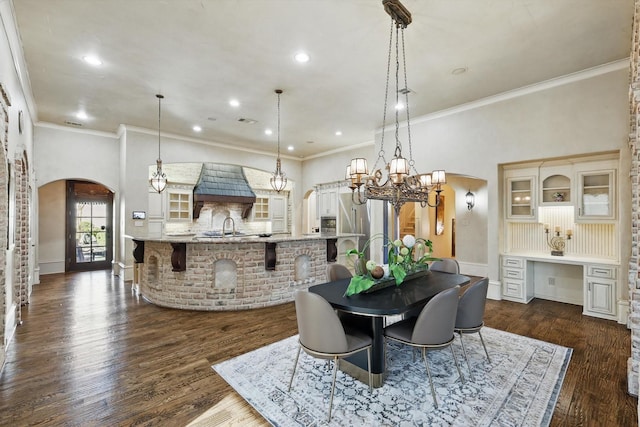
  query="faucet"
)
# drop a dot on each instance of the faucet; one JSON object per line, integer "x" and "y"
{"x": 233, "y": 225}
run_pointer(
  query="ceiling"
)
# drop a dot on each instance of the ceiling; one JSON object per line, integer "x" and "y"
{"x": 201, "y": 53}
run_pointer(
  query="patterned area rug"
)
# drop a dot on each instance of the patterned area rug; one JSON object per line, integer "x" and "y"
{"x": 519, "y": 387}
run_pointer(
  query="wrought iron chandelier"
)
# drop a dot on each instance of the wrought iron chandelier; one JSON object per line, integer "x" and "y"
{"x": 159, "y": 180}
{"x": 278, "y": 180}
{"x": 401, "y": 185}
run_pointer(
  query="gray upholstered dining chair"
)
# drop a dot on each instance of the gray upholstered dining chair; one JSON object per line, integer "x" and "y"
{"x": 446, "y": 265}
{"x": 431, "y": 330}
{"x": 338, "y": 271}
{"x": 470, "y": 315}
{"x": 322, "y": 335}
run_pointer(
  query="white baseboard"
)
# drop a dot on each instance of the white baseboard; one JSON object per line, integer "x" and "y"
{"x": 51, "y": 267}
{"x": 124, "y": 272}
{"x": 473, "y": 269}
{"x": 10, "y": 325}
{"x": 623, "y": 312}
{"x": 495, "y": 290}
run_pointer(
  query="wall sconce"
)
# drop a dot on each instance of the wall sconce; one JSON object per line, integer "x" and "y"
{"x": 470, "y": 198}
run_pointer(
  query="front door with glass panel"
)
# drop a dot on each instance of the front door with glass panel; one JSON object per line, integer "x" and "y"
{"x": 89, "y": 225}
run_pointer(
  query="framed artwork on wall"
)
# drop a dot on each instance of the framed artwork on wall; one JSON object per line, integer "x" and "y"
{"x": 440, "y": 217}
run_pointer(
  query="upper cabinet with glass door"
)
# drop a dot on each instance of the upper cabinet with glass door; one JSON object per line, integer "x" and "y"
{"x": 596, "y": 186}
{"x": 521, "y": 194}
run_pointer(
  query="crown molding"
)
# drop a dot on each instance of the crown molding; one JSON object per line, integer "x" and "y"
{"x": 226, "y": 146}
{"x": 525, "y": 90}
{"x": 83, "y": 131}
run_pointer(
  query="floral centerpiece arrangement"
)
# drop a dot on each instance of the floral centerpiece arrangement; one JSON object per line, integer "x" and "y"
{"x": 406, "y": 256}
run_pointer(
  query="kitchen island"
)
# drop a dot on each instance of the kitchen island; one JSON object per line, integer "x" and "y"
{"x": 192, "y": 272}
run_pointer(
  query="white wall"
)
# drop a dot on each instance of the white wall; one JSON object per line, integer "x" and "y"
{"x": 51, "y": 224}
{"x": 68, "y": 153}
{"x": 586, "y": 113}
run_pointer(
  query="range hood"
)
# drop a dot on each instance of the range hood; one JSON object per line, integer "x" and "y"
{"x": 222, "y": 183}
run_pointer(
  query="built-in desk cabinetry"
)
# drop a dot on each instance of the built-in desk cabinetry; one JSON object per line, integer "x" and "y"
{"x": 600, "y": 290}
{"x": 576, "y": 201}
{"x": 521, "y": 202}
{"x": 589, "y": 186}
{"x": 596, "y": 187}
{"x": 514, "y": 279}
{"x": 599, "y": 282}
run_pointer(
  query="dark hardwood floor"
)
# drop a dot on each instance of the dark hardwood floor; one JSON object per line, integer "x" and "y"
{"x": 92, "y": 353}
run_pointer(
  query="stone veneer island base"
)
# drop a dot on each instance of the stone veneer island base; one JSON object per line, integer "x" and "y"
{"x": 233, "y": 273}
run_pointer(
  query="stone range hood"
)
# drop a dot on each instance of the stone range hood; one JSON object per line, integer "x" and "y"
{"x": 222, "y": 183}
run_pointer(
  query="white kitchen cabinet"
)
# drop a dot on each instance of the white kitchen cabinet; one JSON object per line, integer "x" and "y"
{"x": 556, "y": 185}
{"x": 600, "y": 291}
{"x": 278, "y": 214}
{"x": 596, "y": 192}
{"x": 514, "y": 279}
{"x": 328, "y": 202}
{"x": 520, "y": 194}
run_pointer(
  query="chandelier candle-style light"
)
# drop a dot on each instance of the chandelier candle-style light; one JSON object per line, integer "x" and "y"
{"x": 278, "y": 180}
{"x": 159, "y": 180}
{"x": 557, "y": 243}
{"x": 401, "y": 185}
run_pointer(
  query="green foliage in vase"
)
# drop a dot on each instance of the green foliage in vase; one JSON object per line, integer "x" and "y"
{"x": 405, "y": 256}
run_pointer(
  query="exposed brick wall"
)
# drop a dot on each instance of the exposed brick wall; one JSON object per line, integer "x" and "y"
{"x": 22, "y": 232}
{"x": 300, "y": 264}
{"x": 634, "y": 282}
{"x": 4, "y": 212}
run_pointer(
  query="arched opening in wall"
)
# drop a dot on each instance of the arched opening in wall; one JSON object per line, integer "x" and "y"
{"x": 71, "y": 217}
{"x": 226, "y": 274}
{"x": 455, "y": 230}
{"x": 310, "y": 217}
{"x": 302, "y": 267}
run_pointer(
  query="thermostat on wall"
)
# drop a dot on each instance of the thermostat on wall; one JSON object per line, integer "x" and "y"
{"x": 139, "y": 215}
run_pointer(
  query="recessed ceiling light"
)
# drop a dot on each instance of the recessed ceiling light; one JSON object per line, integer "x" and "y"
{"x": 290, "y": 148}
{"x": 301, "y": 57}
{"x": 81, "y": 115}
{"x": 268, "y": 132}
{"x": 338, "y": 132}
{"x": 197, "y": 128}
{"x": 399, "y": 106}
{"x": 211, "y": 119}
{"x": 92, "y": 60}
{"x": 234, "y": 103}
{"x": 459, "y": 70}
